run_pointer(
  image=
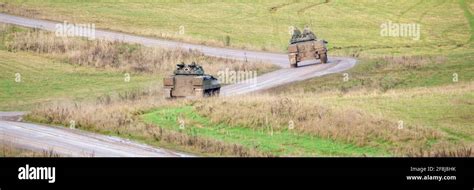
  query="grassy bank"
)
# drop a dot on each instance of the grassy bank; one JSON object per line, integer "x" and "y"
{"x": 266, "y": 139}
{"x": 122, "y": 117}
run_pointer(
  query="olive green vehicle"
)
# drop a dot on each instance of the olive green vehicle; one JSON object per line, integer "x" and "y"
{"x": 306, "y": 46}
{"x": 189, "y": 81}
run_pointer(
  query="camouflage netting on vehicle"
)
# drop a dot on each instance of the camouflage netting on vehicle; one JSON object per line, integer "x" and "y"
{"x": 299, "y": 36}
{"x": 191, "y": 69}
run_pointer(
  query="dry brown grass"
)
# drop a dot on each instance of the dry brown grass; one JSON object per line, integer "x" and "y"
{"x": 451, "y": 89}
{"x": 122, "y": 56}
{"x": 9, "y": 150}
{"x": 464, "y": 151}
{"x": 311, "y": 116}
{"x": 119, "y": 115}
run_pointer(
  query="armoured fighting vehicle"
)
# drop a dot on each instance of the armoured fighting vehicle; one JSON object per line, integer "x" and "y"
{"x": 190, "y": 81}
{"x": 306, "y": 46}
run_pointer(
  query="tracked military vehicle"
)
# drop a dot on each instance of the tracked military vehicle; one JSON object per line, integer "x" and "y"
{"x": 190, "y": 81}
{"x": 306, "y": 46}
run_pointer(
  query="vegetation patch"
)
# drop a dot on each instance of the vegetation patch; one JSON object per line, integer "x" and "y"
{"x": 268, "y": 140}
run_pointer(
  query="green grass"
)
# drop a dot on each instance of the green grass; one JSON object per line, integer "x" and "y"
{"x": 349, "y": 26}
{"x": 378, "y": 74}
{"x": 280, "y": 143}
{"x": 447, "y": 110}
{"x": 467, "y": 12}
{"x": 444, "y": 106}
{"x": 44, "y": 80}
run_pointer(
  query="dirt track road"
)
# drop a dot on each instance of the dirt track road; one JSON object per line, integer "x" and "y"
{"x": 79, "y": 143}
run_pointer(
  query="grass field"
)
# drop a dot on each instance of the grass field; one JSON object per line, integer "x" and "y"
{"x": 448, "y": 108}
{"x": 349, "y": 26}
{"x": 45, "y": 80}
{"x": 404, "y": 97}
{"x": 28, "y": 79}
{"x": 38, "y": 67}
